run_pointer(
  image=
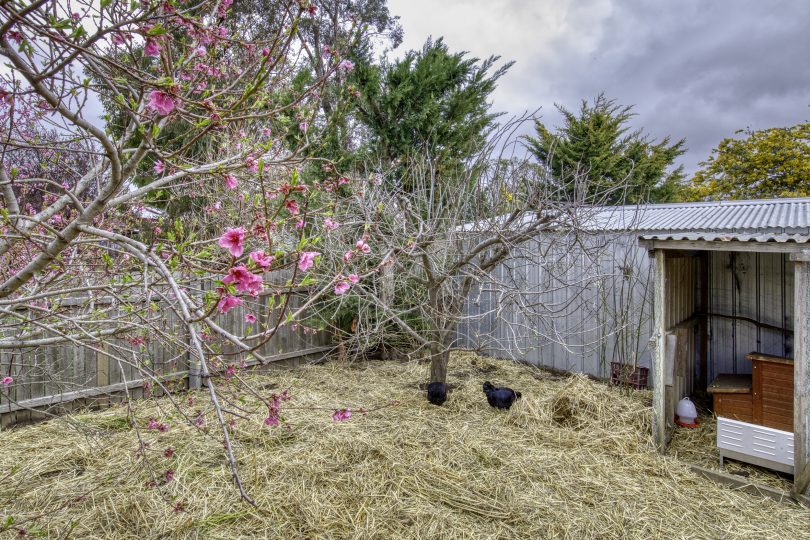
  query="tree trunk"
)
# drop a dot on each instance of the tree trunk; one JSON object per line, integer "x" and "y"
{"x": 439, "y": 358}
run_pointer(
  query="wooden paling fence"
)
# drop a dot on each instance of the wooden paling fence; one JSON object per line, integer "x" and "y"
{"x": 67, "y": 376}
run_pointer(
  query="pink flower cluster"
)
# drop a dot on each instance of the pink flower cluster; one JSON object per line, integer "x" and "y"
{"x": 262, "y": 261}
{"x": 341, "y": 415}
{"x": 360, "y": 247}
{"x": 7, "y": 381}
{"x": 154, "y": 425}
{"x": 274, "y": 408}
{"x": 343, "y": 285}
{"x": 161, "y": 102}
{"x": 307, "y": 260}
{"x": 244, "y": 280}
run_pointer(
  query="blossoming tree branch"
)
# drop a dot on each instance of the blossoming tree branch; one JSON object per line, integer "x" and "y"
{"x": 150, "y": 165}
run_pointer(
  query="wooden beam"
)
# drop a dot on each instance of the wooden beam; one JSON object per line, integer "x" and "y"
{"x": 741, "y": 484}
{"x": 803, "y": 255}
{"x": 659, "y": 352}
{"x": 721, "y": 245}
{"x": 801, "y": 377}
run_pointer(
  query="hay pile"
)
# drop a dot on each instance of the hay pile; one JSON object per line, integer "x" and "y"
{"x": 572, "y": 459}
{"x": 699, "y": 446}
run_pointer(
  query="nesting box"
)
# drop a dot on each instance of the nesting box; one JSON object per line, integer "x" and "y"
{"x": 733, "y": 397}
{"x": 772, "y": 391}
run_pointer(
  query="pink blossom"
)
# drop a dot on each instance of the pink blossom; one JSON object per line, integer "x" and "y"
{"x": 300, "y": 224}
{"x": 292, "y": 206}
{"x": 252, "y": 164}
{"x": 266, "y": 132}
{"x": 230, "y": 181}
{"x": 152, "y": 48}
{"x": 217, "y": 206}
{"x": 234, "y": 241}
{"x": 346, "y": 65}
{"x": 349, "y": 255}
{"x": 119, "y": 39}
{"x": 303, "y": 126}
{"x": 169, "y": 475}
{"x": 227, "y": 303}
{"x": 307, "y": 260}
{"x": 7, "y": 381}
{"x": 161, "y": 102}
{"x": 200, "y": 51}
{"x": 159, "y": 167}
{"x": 244, "y": 280}
{"x": 262, "y": 260}
{"x": 266, "y": 52}
{"x": 341, "y": 415}
{"x": 271, "y": 420}
{"x": 330, "y": 224}
{"x": 363, "y": 246}
{"x": 354, "y": 278}
{"x": 250, "y": 318}
{"x": 223, "y": 7}
{"x": 342, "y": 287}
{"x": 157, "y": 230}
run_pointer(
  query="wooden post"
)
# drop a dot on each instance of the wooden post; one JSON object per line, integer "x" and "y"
{"x": 801, "y": 373}
{"x": 659, "y": 351}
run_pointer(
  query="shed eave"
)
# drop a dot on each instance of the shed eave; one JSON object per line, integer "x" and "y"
{"x": 753, "y": 246}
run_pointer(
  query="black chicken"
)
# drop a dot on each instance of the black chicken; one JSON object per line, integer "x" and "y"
{"x": 501, "y": 398}
{"x": 437, "y": 393}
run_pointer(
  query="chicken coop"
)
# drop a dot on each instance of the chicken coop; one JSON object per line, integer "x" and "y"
{"x": 706, "y": 300}
{"x": 731, "y": 318}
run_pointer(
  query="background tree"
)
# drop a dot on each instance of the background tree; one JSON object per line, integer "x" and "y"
{"x": 430, "y": 103}
{"x": 426, "y": 114}
{"x": 597, "y": 142}
{"x": 764, "y": 164}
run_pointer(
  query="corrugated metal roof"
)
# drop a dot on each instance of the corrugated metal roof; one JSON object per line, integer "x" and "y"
{"x": 759, "y": 216}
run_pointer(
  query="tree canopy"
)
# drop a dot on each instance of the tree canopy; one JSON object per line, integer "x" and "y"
{"x": 764, "y": 164}
{"x": 621, "y": 165}
{"x": 432, "y": 102}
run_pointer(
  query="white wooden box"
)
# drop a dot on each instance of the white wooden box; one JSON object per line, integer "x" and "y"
{"x": 755, "y": 444}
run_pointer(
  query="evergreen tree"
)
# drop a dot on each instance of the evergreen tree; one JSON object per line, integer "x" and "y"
{"x": 430, "y": 103}
{"x": 620, "y": 165}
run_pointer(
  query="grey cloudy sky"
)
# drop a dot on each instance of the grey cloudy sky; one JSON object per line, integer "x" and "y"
{"x": 694, "y": 69}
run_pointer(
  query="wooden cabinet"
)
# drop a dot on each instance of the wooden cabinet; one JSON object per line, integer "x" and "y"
{"x": 765, "y": 397}
{"x": 772, "y": 391}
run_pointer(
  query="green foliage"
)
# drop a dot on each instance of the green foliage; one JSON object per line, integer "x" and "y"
{"x": 767, "y": 163}
{"x": 431, "y": 102}
{"x": 621, "y": 165}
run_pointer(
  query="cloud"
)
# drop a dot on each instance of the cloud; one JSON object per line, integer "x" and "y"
{"x": 693, "y": 69}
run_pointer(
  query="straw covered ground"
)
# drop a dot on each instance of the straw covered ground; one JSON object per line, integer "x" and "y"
{"x": 572, "y": 459}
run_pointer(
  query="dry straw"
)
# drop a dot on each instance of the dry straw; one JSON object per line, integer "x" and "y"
{"x": 572, "y": 459}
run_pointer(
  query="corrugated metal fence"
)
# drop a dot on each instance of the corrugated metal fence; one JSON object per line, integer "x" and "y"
{"x": 578, "y": 305}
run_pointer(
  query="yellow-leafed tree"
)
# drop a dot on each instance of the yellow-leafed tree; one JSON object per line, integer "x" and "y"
{"x": 766, "y": 164}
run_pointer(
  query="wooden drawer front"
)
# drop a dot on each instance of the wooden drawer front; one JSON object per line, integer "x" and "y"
{"x": 773, "y": 395}
{"x": 734, "y": 406}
